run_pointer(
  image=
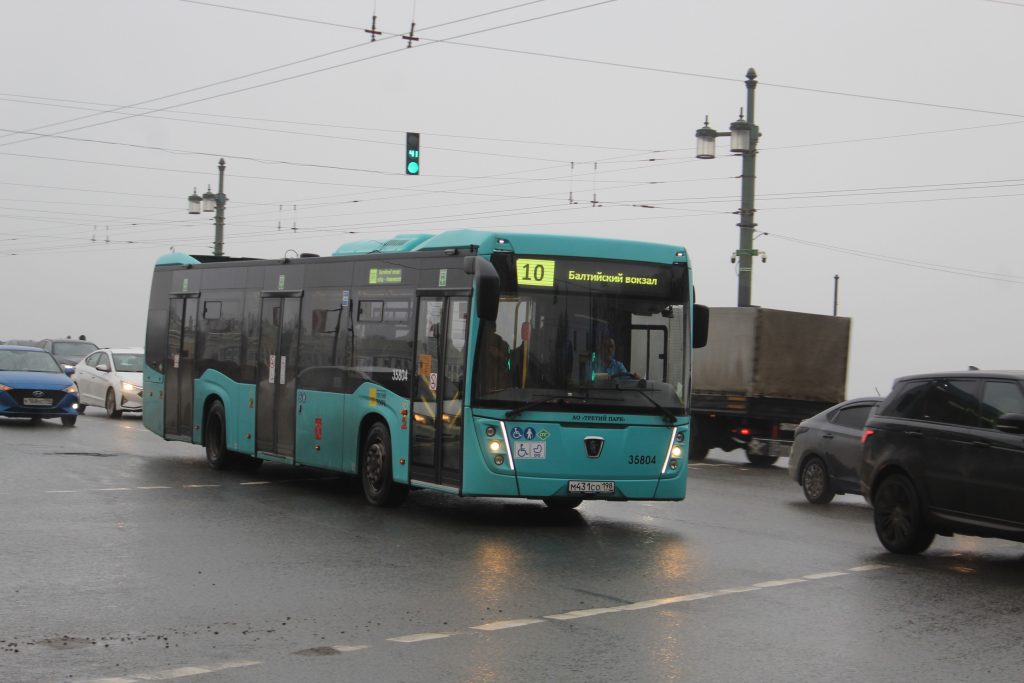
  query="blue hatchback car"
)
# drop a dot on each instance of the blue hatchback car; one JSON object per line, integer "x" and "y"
{"x": 33, "y": 385}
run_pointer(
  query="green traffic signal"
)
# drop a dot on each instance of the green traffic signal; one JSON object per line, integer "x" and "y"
{"x": 412, "y": 153}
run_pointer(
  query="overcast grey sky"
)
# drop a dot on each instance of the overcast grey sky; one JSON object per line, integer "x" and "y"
{"x": 889, "y": 129}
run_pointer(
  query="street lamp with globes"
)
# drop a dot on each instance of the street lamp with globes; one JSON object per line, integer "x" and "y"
{"x": 743, "y": 137}
{"x": 212, "y": 202}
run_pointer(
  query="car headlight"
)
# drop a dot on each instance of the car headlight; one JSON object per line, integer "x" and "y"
{"x": 4, "y": 387}
{"x": 71, "y": 390}
{"x": 128, "y": 387}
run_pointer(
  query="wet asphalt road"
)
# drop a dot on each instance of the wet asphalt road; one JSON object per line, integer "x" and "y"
{"x": 126, "y": 559}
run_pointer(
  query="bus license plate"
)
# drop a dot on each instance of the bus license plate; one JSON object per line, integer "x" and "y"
{"x": 29, "y": 401}
{"x": 591, "y": 487}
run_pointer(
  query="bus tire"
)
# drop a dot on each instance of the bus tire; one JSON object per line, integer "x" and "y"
{"x": 375, "y": 469}
{"x": 218, "y": 456}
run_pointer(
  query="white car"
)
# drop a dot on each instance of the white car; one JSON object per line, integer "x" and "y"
{"x": 111, "y": 378}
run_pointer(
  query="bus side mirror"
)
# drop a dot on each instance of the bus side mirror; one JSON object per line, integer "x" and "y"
{"x": 701, "y": 316}
{"x": 486, "y": 284}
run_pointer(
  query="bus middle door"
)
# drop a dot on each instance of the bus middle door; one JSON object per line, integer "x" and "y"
{"x": 439, "y": 391}
{"x": 278, "y": 365}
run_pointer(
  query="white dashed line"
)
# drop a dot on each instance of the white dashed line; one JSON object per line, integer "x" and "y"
{"x": 151, "y": 488}
{"x": 120, "y": 488}
{"x": 420, "y": 637}
{"x": 172, "y": 674}
{"x": 253, "y": 483}
{"x": 776, "y": 584}
{"x": 185, "y": 671}
{"x": 511, "y": 623}
{"x": 201, "y": 486}
{"x": 825, "y": 575}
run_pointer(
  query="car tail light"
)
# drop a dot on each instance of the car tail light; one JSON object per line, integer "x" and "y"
{"x": 865, "y": 434}
{"x": 744, "y": 431}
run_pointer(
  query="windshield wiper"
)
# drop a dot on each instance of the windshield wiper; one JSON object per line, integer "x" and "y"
{"x": 518, "y": 410}
{"x": 665, "y": 412}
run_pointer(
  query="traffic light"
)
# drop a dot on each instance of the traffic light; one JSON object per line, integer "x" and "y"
{"x": 412, "y": 153}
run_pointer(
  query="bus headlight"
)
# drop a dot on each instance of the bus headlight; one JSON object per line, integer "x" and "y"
{"x": 677, "y": 451}
{"x": 495, "y": 446}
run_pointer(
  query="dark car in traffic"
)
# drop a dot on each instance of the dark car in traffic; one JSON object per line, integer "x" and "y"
{"x": 33, "y": 385}
{"x": 68, "y": 351}
{"x": 826, "y": 453}
{"x": 944, "y": 454}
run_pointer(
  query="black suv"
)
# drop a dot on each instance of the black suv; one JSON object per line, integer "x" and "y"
{"x": 944, "y": 454}
{"x": 68, "y": 351}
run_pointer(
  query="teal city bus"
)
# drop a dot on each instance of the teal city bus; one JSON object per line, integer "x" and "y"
{"x": 469, "y": 362}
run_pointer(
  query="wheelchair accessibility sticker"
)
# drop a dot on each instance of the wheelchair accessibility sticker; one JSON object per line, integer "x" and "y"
{"x": 528, "y": 443}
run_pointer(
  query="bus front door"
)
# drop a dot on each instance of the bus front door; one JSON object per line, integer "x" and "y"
{"x": 278, "y": 364}
{"x": 439, "y": 391}
{"x": 180, "y": 366}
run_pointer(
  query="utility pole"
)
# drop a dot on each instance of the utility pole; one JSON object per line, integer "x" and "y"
{"x": 212, "y": 202}
{"x": 747, "y": 224}
{"x": 744, "y": 135}
{"x": 835, "y": 297}
{"x": 218, "y": 217}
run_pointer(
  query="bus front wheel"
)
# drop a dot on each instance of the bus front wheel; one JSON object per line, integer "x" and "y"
{"x": 375, "y": 469}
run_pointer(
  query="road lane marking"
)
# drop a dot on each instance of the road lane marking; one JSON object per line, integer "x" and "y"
{"x": 180, "y": 672}
{"x": 825, "y": 575}
{"x": 509, "y": 623}
{"x": 777, "y": 583}
{"x": 186, "y": 671}
{"x": 189, "y": 486}
{"x": 420, "y": 637}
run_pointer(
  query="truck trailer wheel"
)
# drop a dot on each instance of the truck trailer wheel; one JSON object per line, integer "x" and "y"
{"x": 761, "y": 460}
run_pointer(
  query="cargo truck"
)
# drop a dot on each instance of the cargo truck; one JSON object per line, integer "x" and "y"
{"x": 763, "y": 371}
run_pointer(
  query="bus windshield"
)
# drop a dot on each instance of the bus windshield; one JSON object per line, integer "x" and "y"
{"x": 586, "y": 345}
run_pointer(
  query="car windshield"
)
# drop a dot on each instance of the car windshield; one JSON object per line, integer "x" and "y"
{"x": 74, "y": 350}
{"x": 583, "y": 343}
{"x": 27, "y": 361}
{"x": 128, "y": 362}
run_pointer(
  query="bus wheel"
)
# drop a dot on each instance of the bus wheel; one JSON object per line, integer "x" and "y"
{"x": 375, "y": 469}
{"x": 563, "y": 503}
{"x": 217, "y": 454}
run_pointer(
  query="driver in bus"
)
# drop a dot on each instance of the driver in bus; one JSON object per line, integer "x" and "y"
{"x": 604, "y": 363}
